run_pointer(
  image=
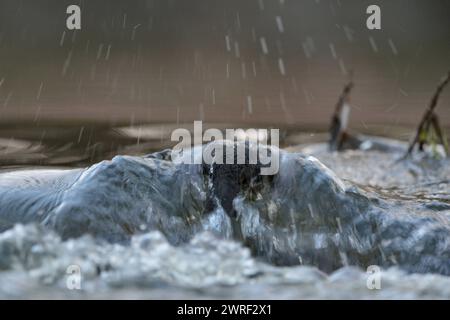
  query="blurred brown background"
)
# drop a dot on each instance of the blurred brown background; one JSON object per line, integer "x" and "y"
{"x": 180, "y": 60}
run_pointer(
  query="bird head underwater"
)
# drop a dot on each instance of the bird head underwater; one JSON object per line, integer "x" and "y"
{"x": 302, "y": 214}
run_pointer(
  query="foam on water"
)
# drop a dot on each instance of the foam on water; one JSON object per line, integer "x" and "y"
{"x": 34, "y": 262}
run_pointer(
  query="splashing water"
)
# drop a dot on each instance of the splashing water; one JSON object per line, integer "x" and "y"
{"x": 305, "y": 215}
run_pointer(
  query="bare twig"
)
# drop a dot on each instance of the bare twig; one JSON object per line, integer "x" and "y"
{"x": 430, "y": 119}
{"x": 439, "y": 133}
{"x": 337, "y": 131}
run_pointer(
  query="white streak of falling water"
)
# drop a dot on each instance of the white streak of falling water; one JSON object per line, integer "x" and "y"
{"x": 332, "y": 9}
{"x": 108, "y": 52}
{"x": 8, "y": 97}
{"x": 124, "y": 22}
{"x": 261, "y": 5}
{"x": 333, "y": 51}
{"x": 99, "y": 51}
{"x": 39, "y": 91}
{"x": 264, "y": 48}
{"x": 306, "y": 50}
{"x": 66, "y": 63}
{"x": 238, "y": 21}
{"x": 373, "y": 44}
{"x": 249, "y": 104}
{"x": 281, "y": 66}
{"x": 244, "y": 70}
{"x": 307, "y": 96}
{"x": 63, "y": 36}
{"x": 280, "y": 25}
{"x": 133, "y": 33}
{"x": 348, "y": 33}
{"x": 286, "y": 112}
{"x": 393, "y": 47}
{"x": 236, "y": 50}
{"x": 308, "y": 47}
{"x": 37, "y": 114}
{"x": 227, "y": 43}
{"x": 342, "y": 67}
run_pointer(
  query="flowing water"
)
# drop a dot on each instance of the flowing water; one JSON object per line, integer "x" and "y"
{"x": 309, "y": 233}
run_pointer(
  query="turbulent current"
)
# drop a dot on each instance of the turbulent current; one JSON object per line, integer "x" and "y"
{"x": 156, "y": 227}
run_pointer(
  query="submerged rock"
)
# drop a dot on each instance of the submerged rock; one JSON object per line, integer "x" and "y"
{"x": 304, "y": 214}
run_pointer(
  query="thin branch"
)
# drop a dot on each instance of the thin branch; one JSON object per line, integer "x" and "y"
{"x": 337, "y": 132}
{"x": 428, "y": 115}
{"x": 439, "y": 133}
